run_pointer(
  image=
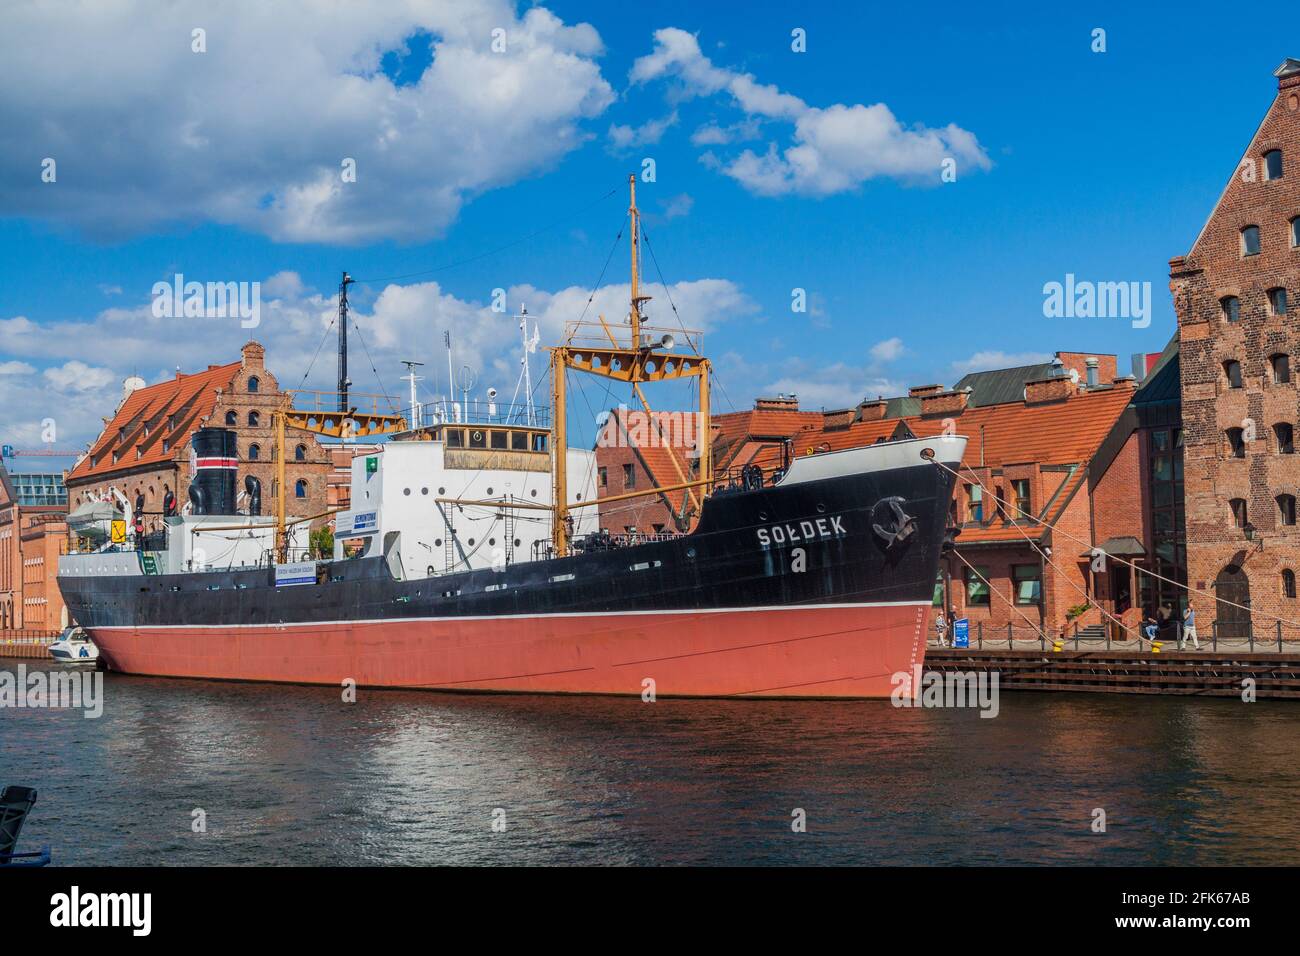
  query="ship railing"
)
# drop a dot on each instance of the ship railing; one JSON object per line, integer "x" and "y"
{"x": 604, "y": 541}
{"x": 477, "y": 411}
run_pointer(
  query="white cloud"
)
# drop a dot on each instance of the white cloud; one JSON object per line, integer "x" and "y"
{"x": 397, "y": 322}
{"x": 838, "y": 385}
{"x": 711, "y": 134}
{"x": 677, "y": 206}
{"x": 888, "y": 350}
{"x": 253, "y": 132}
{"x": 834, "y": 149}
{"x": 623, "y": 138}
{"x": 993, "y": 359}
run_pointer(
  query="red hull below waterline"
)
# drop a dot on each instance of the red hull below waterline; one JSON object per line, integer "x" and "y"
{"x": 848, "y": 651}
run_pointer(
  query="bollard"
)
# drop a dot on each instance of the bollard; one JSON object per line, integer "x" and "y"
{"x": 1155, "y": 646}
{"x": 1057, "y": 644}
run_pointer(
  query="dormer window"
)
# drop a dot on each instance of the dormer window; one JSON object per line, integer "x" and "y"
{"x": 1250, "y": 241}
{"x": 1232, "y": 370}
{"x": 1281, "y": 366}
{"x": 1230, "y": 305}
{"x": 1273, "y": 164}
{"x": 1277, "y": 301}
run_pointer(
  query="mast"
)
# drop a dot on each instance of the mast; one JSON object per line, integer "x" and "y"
{"x": 343, "y": 343}
{"x": 634, "y": 364}
{"x": 410, "y": 375}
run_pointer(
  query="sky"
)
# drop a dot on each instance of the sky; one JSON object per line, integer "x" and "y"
{"x": 914, "y": 175}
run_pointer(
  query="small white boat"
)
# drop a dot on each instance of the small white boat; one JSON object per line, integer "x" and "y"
{"x": 74, "y": 647}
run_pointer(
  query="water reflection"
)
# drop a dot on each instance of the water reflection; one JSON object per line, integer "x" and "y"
{"x": 294, "y": 775}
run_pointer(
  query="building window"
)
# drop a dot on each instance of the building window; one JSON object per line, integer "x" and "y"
{"x": 1288, "y": 583}
{"x": 232, "y": 418}
{"x": 629, "y": 476}
{"x": 977, "y": 590}
{"x": 116, "y": 456}
{"x": 253, "y": 383}
{"x": 1273, "y": 164}
{"x": 254, "y": 452}
{"x": 1281, "y": 365}
{"x": 1286, "y": 509}
{"x": 1236, "y": 443}
{"x": 1028, "y": 581}
{"x": 1020, "y": 488}
{"x": 1277, "y": 301}
{"x": 254, "y": 419}
{"x": 974, "y": 503}
{"x": 1285, "y": 436}
{"x": 1231, "y": 308}
{"x": 167, "y": 446}
{"x": 300, "y": 453}
{"x": 604, "y": 476}
{"x": 1295, "y": 232}
{"x": 1250, "y": 241}
{"x": 300, "y": 488}
{"x": 1232, "y": 370}
{"x": 1238, "y": 506}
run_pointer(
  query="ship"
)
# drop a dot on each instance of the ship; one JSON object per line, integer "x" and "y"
{"x": 470, "y": 556}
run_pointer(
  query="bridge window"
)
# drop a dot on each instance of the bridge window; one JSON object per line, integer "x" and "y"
{"x": 519, "y": 441}
{"x": 454, "y": 437}
{"x": 499, "y": 438}
{"x": 477, "y": 438}
{"x": 539, "y": 443}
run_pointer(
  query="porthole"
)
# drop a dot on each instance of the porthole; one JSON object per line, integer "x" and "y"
{"x": 579, "y": 497}
{"x": 762, "y": 516}
{"x": 442, "y": 491}
{"x": 534, "y": 492}
{"x": 492, "y": 542}
{"x": 489, "y": 492}
{"x": 471, "y": 542}
{"x": 424, "y": 491}
{"x": 438, "y": 543}
{"x": 690, "y": 553}
{"x": 516, "y": 542}
{"x": 821, "y": 509}
{"x": 406, "y": 491}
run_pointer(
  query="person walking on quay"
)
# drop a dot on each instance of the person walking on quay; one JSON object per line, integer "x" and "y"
{"x": 941, "y": 629}
{"x": 1189, "y": 629}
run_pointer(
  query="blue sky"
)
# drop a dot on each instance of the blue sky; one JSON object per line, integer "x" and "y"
{"x": 1103, "y": 165}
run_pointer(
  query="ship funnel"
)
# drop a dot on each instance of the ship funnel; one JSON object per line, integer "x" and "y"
{"x": 213, "y": 463}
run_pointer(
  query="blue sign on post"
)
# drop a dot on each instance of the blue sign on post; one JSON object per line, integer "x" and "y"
{"x": 961, "y": 632}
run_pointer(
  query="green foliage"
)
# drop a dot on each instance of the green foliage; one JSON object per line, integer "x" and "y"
{"x": 321, "y": 542}
{"x": 1077, "y": 611}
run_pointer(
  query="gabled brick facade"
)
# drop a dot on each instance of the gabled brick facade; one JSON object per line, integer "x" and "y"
{"x": 1221, "y": 292}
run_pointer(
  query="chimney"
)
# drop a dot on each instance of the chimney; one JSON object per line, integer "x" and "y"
{"x": 1288, "y": 76}
{"x": 1138, "y": 362}
{"x": 782, "y": 403}
{"x": 838, "y": 419}
{"x": 1054, "y": 388}
{"x": 944, "y": 403}
{"x": 1093, "y": 375}
{"x": 254, "y": 355}
{"x": 921, "y": 391}
{"x": 869, "y": 411}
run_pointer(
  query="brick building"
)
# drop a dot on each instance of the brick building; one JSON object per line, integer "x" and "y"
{"x": 33, "y": 532}
{"x": 145, "y": 446}
{"x": 1235, "y": 295}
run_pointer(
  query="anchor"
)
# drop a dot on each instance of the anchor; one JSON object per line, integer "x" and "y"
{"x": 894, "y": 526}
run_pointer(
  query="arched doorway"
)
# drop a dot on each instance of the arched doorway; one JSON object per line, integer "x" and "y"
{"x": 1233, "y": 585}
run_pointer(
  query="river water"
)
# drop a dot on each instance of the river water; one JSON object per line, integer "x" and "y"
{"x": 295, "y": 775}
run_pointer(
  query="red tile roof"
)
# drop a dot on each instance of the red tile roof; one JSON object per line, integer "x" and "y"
{"x": 190, "y": 398}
